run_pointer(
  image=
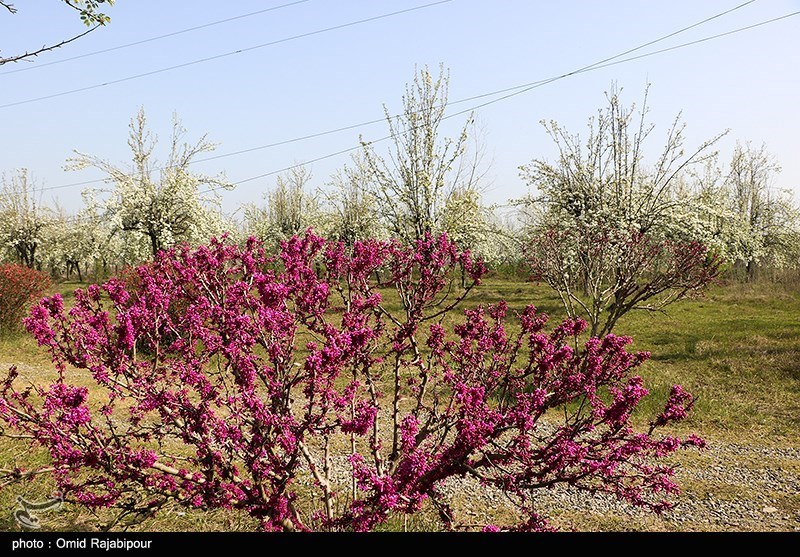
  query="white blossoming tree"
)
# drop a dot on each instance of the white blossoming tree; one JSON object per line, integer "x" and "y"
{"x": 290, "y": 208}
{"x": 766, "y": 215}
{"x": 83, "y": 244}
{"x": 24, "y": 221}
{"x": 349, "y": 208}
{"x": 474, "y": 226}
{"x": 66, "y": 249}
{"x": 164, "y": 205}
{"x": 607, "y": 180}
{"x": 412, "y": 184}
{"x": 739, "y": 212}
{"x": 610, "y": 232}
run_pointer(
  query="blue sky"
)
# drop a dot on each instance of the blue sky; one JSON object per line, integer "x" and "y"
{"x": 747, "y": 82}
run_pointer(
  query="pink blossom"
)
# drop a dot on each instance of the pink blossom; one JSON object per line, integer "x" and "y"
{"x": 223, "y": 374}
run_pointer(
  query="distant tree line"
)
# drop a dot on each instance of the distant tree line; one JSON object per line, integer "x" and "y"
{"x": 427, "y": 183}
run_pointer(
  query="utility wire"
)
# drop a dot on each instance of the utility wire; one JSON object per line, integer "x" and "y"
{"x": 151, "y": 39}
{"x": 484, "y": 95}
{"x": 225, "y": 55}
{"x": 528, "y": 87}
{"x": 518, "y": 88}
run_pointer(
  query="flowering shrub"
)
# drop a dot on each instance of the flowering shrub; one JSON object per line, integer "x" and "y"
{"x": 264, "y": 375}
{"x": 19, "y": 286}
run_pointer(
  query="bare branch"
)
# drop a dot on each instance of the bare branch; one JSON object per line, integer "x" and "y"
{"x": 43, "y": 49}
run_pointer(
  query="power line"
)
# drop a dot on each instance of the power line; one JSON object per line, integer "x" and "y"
{"x": 475, "y": 97}
{"x": 640, "y": 47}
{"x": 219, "y": 56}
{"x": 525, "y": 87}
{"x": 607, "y": 63}
{"x": 528, "y": 87}
{"x": 151, "y": 39}
{"x": 517, "y": 90}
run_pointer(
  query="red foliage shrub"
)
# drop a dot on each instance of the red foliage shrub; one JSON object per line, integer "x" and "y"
{"x": 19, "y": 286}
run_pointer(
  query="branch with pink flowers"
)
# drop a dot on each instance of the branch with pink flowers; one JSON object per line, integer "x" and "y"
{"x": 228, "y": 377}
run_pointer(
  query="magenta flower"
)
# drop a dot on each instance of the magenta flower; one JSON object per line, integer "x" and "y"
{"x": 227, "y": 377}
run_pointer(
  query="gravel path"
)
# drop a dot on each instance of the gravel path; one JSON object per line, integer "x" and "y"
{"x": 730, "y": 487}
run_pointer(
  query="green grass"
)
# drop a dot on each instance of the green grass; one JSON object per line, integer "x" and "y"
{"x": 737, "y": 347}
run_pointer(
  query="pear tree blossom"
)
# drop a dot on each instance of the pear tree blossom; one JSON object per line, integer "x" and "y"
{"x": 290, "y": 208}
{"x": 165, "y": 205}
{"x": 24, "y": 219}
{"x": 411, "y": 185}
{"x": 350, "y": 209}
{"x": 610, "y": 235}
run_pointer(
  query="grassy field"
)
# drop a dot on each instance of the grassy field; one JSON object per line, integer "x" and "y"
{"x": 737, "y": 347}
